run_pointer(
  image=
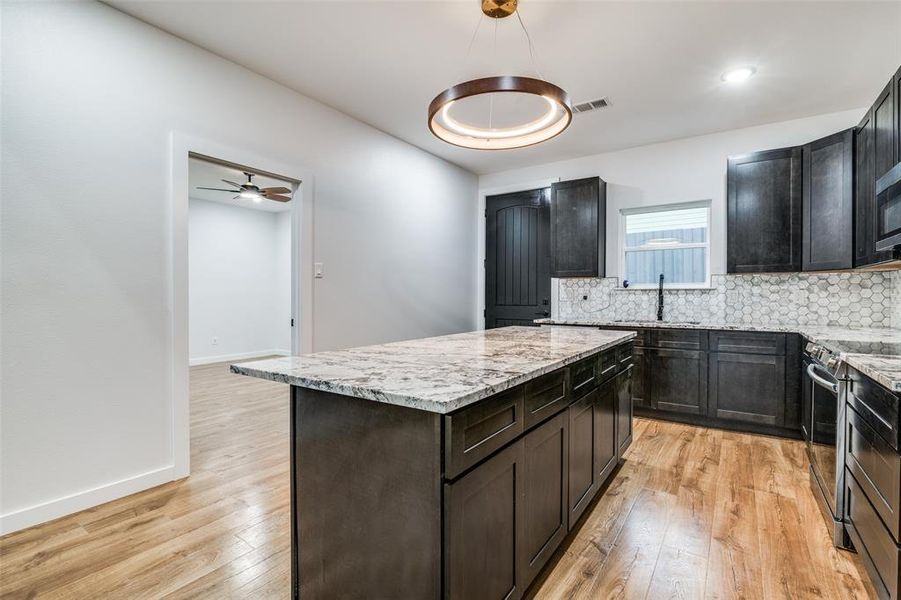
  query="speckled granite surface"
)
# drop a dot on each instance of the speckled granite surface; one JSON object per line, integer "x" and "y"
{"x": 876, "y": 352}
{"x": 439, "y": 374}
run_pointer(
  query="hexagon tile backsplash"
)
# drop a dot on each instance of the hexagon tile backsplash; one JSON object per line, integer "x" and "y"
{"x": 851, "y": 299}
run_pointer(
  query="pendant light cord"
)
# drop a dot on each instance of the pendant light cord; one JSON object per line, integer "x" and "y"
{"x": 491, "y": 96}
{"x": 531, "y": 46}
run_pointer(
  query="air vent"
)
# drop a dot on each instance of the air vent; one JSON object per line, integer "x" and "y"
{"x": 591, "y": 105}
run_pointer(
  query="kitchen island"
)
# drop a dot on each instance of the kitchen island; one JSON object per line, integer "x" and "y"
{"x": 448, "y": 467}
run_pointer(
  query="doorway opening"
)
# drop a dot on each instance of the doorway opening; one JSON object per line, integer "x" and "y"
{"x": 241, "y": 288}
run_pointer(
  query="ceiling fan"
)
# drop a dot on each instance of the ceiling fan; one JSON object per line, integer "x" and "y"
{"x": 252, "y": 191}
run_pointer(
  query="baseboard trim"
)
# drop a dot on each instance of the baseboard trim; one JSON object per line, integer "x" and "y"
{"x": 209, "y": 360}
{"x": 54, "y": 509}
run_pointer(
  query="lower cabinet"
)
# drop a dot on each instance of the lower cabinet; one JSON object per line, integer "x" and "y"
{"x": 623, "y": 398}
{"x": 545, "y": 488}
{"x": 640, "y": 396}
{"x": 747, "y": 387}
{"x": 605, "y": 423}
{"x": 679, "y": 380}
{"x": 485, "y": 522}
{"x": 583, "y": 481}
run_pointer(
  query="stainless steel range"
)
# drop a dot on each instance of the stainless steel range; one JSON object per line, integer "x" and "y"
{"x": 823, "y": 413}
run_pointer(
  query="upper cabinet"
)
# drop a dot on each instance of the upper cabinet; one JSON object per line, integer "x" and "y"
{"x": 828, "y": 203}
{"x": 884, "y": 114}
{"x": 763, "y": 194}
{"x": 865, "y": 195}
{"x": 578, "y": 225}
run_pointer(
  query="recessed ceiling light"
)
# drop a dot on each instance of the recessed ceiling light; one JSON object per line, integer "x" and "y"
{"x": 738, "y": 74}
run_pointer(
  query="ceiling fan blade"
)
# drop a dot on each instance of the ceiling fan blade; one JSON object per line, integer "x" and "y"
{"x": 275, "y": 190}
{"x": 278, "y": 198}
{"x": 237, "y": 185}
{"x": 217, "y": 189}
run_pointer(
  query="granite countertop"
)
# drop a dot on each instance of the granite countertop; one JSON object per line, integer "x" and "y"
{"x": 439, "y": 374}
{"x": 875, "y": 352}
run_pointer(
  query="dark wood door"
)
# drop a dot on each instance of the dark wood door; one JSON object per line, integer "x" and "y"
{"x": 484, "y": 528}
{"x": 763, "y": 194}
{"x": 624, "y": 411}
{"x": 582, "y": 474}
{"x": 884, "y": 130}
{"x": 578, "y": 226}
{"x": 828, "y": 201}
{"x": 517, "y": 258}
{"x": 747, "y": 387}
{"x": 678, "y": 380}
{"x": 546, "y": 471}
{"x": 605, "y": 430}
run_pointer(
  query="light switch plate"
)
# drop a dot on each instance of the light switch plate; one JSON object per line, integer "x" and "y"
{"x": 317, "y": 270}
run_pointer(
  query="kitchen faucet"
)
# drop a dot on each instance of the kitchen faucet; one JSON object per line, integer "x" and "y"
{"x": 660, "y": 299}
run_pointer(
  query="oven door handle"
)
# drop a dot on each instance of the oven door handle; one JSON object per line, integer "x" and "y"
{"x": 811, "y": 372}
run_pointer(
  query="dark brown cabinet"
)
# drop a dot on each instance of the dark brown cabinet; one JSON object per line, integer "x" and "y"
{"x": 639, "y": 378}
{"x": 884, "y": 114}
{"x": 623, "y": 394}
{"x": 828, "y": 203}
{"x": 578, "y": 225}
{"x": 747, "y": 387}
{"x": 763, "y": 195}
{"x": 679, "y": 380}
{"x": 605, "y": 422}
{"x": 865, "y": 195}
{"x": 545, "y": 487}
{"x": 485, "y": 526}
{"x": 583, "y": 481}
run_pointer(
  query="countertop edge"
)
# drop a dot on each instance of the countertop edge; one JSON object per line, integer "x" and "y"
{"x": 434, "y": 406}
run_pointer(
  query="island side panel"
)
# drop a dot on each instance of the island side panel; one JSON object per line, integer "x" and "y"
{"x": 366, "y": 498}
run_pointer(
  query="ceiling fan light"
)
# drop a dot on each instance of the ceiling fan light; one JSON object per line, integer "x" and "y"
{"x": 249, "y": 195}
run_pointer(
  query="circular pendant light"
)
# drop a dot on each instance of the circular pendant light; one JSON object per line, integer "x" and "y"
{"x": 539, "y": 109}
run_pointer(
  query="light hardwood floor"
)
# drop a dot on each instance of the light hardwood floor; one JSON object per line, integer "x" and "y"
{"x": 692, "y": 513}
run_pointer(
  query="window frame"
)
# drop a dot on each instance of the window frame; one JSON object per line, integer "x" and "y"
{"x": 624, "y": 212}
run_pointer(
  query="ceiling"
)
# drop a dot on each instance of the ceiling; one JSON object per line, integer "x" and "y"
{"x": 659, "y": 63}
{"x": 209, "y": 174}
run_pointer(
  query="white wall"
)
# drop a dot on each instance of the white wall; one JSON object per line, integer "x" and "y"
{"x": 677, "y": 171}
{"x": 90, "y": 97}
{"x": 239, "y": 282}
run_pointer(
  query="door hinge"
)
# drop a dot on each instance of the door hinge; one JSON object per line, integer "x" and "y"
{"x": 292, "y": 322}
{"x": 484, "y": 312}
{"x": 486, "y": 212}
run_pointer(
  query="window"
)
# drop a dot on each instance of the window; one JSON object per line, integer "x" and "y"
{"x": 673, "y": 240}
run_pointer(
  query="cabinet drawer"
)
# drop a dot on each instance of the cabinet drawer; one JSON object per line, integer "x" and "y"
{"x": 544, "y": 397}
{"x": 747, "y": 342}
{"x": 476, "y": 431}
{"x": 583, "y": 375}
{"x": 871, "y": 539}
{"x": 876, "y": 405}
{"x": 607, "y": 364}
{"x": 679, "y": 339}
{"x": 876, "y": 467}
{"x": 623, "y": 357}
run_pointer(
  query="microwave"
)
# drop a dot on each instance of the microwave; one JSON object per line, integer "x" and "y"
{"x": 888, "y": 210}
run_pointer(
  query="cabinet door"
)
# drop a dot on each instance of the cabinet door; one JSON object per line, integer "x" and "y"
{"x": 764, "y": 212}
{"x": 748, "y": 388}
{"x": 884, "y": 130}
{"x": 582, "y": 473}
{"x": 623, "y": 411}
{"x": 605, "y": 430}
{"x": 578, "y": 225}
{"x": 828, "y": 194}
{"x": 806, "y": 401}
{"x": 640, "y": 396}
{"x": 678, "y": 380}
{"x": 484, "y": 527}
{"x": 897, "y": 92}
{"x": 865, "y": 196}
{"x": 546, "y": 471}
